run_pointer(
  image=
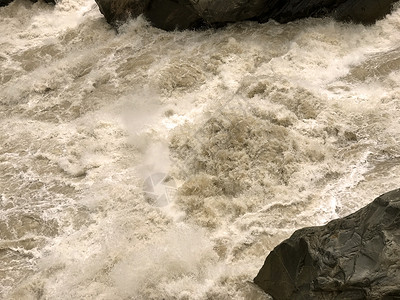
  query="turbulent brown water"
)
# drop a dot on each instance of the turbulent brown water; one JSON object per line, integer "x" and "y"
{"x": 261, "y": 129}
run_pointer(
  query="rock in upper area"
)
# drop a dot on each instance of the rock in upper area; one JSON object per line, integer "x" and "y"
{"x": 184, "y": 14}
{"x": 355, "y": 257}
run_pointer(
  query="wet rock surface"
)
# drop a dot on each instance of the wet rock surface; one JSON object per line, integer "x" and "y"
{"x": 355, "y": 257}
{"x": 118, "y": 11}
{"x": 184, "y": 14}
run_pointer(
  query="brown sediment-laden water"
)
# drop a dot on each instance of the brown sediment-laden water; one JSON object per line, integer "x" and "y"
{"x": 147, "y": 164}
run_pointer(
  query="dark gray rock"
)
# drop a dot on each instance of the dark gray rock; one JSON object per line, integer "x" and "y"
{"x": 183, "y": 14}
{"x": 355, "y": 257}
{"x": 223, "y": 11}
{"x": 172, "y": 14}
{"x": 363, "y": 11}
{"x": 164, "y": 14}
{"x": 119, "y": 11}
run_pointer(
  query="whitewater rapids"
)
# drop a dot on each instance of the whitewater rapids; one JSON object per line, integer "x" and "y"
{"x": 262, "y": 128}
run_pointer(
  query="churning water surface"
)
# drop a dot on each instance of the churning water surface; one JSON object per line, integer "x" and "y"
{"x": 147, "y": 164}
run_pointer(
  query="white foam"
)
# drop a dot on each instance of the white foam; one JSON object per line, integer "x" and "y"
{"x": 265, "y": 128}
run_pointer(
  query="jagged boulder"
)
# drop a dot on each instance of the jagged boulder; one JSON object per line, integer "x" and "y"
{"x": 363, "y": 11}
{"x": 355, "y": 257}
{"x": 172, "y": 14}
{"x": 223, "y": 11}
{"x": 165, "y": 14}
{"x": 121, "y": 10}
{"x": 183, "y": 14}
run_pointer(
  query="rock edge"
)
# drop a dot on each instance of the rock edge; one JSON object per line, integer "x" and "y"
{"x": 355, "y": 257}
{"x": 190, "y": 14}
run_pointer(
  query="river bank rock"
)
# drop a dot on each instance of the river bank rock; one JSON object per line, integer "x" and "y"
{"x": 188, "y": 14}
{"x": 355, "y": 257}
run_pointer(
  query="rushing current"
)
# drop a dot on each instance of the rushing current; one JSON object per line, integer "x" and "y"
{"x": 144, "y": 164}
